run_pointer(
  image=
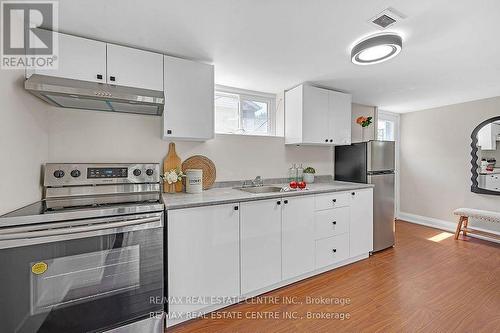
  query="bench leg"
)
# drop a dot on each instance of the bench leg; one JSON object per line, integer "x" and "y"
{"x": 465, "y": 224}
{"x": 459, "y": 226}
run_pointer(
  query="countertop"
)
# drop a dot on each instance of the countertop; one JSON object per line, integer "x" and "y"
{"x": 495, "y": 171}
{"x": 224, "y": 195}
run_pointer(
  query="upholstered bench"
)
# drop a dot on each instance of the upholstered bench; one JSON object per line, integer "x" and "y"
{"x": 482, "y": 215}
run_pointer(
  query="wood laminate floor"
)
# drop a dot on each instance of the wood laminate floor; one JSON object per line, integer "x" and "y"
{"x": 428, "y": 283}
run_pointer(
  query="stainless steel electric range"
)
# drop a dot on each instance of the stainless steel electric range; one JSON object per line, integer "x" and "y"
{"x": 89, "y": 256}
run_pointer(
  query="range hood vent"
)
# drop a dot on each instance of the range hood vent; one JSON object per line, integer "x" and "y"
{"x": 77, "y": 94}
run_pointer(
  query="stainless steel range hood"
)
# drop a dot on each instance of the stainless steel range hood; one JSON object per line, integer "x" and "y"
{"x": 69, "y": 93}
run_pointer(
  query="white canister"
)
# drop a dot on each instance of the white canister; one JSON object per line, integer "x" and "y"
{"x": 194, "y": 180}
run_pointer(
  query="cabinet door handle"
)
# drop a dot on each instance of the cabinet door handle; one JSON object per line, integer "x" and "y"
{"x": 99, "y": 76}
{"x": 285, "y": 201}
{"x": 331, "y": 140}
{"x": 334, "y": 200}
{"x": 334, "y": 250}
{"x": 334, "y": 222}
{"x": 353, "y": 193}
{"x": 236, "y": 207}
{"x": 112, "y": 78}
{"x": 326, "y": 140}
{"x": 169, "y": 131}
{"x": 278, "y": 203}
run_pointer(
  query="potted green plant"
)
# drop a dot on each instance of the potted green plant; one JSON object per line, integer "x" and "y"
{"x": 309, "y": 174}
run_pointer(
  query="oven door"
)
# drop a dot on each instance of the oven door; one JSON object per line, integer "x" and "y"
{"x": 81, "y": 276}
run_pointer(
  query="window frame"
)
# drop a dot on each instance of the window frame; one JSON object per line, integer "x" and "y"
{"x": 243, "y": 94}
{"x": 386, "y": 120}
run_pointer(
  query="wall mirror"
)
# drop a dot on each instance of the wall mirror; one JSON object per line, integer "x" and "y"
{"x": 485, "y": 154}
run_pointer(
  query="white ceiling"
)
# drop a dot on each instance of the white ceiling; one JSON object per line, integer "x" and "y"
{"x": 451, "y": 50}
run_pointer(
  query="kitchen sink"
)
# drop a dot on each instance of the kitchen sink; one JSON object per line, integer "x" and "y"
{"x": 260, "y": 189}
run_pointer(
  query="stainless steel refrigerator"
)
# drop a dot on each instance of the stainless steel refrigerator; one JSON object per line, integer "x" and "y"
{"x": 372, "y": 162}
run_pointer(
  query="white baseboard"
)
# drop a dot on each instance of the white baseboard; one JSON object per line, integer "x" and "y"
{"x": 441, "y": 224}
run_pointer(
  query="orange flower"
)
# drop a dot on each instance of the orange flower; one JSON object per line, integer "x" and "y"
{"x": 360, "y": 120}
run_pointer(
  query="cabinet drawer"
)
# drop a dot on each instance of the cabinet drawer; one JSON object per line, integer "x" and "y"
{"x": 493, "y": 182}
{"x": 331, "y": 250}
{"x": 331, "y": 222}
{"x": 334, "y": 200}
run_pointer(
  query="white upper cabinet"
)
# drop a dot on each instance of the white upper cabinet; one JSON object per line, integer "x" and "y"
{"x": 361, "y": 226}
{"x": 134, "y": 68}
{"x": 189, "y": 100}
{"x": 339, "y": 107}
{"x": 315, "y": 101}
{"x": 317, "y": 116}
{"x": 260, "y": 230}
{"x": 79, "y": 58}
{"x": 94, "y": 61}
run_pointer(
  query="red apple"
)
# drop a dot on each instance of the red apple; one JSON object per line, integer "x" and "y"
{"x": 293, "y": 184}
{"x": 302, "y": 185}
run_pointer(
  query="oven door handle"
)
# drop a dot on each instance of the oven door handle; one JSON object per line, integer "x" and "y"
{"x": 83, "y": 229}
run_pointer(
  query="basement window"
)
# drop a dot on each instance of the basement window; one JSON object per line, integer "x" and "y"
{"x": 244, "y": 112}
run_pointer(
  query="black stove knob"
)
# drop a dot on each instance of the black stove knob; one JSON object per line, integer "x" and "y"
{"x": 58, "y": 173}
{"x": 137, "y": 172}
{"x": 149, "y": 172}
{"x": 75, "y": 173}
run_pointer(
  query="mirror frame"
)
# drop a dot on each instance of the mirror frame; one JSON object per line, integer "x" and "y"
{"x": 474, "y": 187}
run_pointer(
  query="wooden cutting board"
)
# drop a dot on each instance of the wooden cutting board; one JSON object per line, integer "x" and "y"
{"x": 205, "y": 164}
{"x": 172, "y": 161}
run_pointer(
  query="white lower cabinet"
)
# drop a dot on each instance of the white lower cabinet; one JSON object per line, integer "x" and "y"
{"x": 203, "y": 256}
{"x": 238, "y": 249}
{"x": 331, "y": 200}
{"x": 298, "y": 236}
{"x": 331, "y": 222}
{"x": 260, "y": 230}
{"x": 492, "y": 182}
{"x": 361, "y": 222}
{"x": 332, "y": 250}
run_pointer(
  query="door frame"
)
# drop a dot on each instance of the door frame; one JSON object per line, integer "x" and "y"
{"x": 395, "y": 117}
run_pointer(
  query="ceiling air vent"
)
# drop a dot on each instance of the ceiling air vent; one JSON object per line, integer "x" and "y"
{"x": 387, "y": 18}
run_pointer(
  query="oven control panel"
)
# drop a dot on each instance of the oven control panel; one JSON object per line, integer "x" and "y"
{"x": 68, "y": 174}
{"x": 107, "y": 172}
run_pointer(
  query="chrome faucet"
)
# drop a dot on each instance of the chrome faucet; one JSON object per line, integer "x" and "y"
{"x": 247, "y": 183}
{"x": 257, "y": 182}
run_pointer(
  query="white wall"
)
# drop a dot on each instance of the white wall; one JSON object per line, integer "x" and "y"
{"x": 89, "y": 136}
{"x": 33, "y": 133}
{"x": 358, "y": 133}
{"x": 435, "y": 160}
{"x": 23, "y": 142}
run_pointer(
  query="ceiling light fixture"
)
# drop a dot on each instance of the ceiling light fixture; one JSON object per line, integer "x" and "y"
{"x": 376, "y": 49}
